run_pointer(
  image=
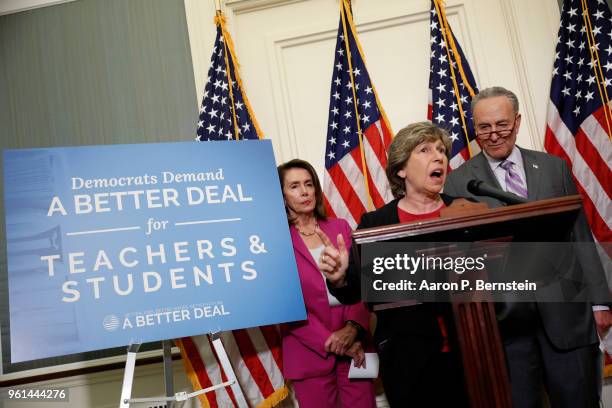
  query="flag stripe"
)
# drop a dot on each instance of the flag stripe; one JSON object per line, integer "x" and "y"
{"x": 271, "y": 335}
{"x": 352, "y": 166}
{"x": 374, "y": 194}
{"x": 251, "y": 392}
{"x": 191, "y": 371}
{"x": 374, "y": 139}
{"x": 218, "y": 370}
{"x": 345, "y": 187}
{"x": 596, "y": 165}
{"x": 457, "y": 160}
{"x": 587, "y": 180}
{"x": 387, "y": 134}
{"x": 375, "y": 179}
{"x": 330, "y": 210}
{"x": 599, "y": 228}
{"x": 262, "y": 348}
{"x": 249, "y": 355}
{"x": 598, "y": 136}
{"x": 377, "y": 162}
{"x": 577, "y": 129}
{"x": 335, "y": 202}
{"x": 212, "y": 369}
{"x": 559, "y": 133}
{"x": 199, "y": 366}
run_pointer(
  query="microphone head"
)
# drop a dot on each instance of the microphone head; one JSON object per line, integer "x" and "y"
{"x": 473, "y": 186}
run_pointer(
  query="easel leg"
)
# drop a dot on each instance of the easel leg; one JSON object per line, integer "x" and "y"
{"x": 229, "y": 371}
{"x": 168, "y": 371}
{"x": 128, "y": 376}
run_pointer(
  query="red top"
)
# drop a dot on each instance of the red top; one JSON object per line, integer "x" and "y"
{"x": 410, "y": 217}
{"x": 405, "y": 217}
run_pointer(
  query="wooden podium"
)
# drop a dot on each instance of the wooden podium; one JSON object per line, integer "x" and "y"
{"x": 482, "y": 353}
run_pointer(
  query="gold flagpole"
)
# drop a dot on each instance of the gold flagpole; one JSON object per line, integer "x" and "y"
{"x": 220, "y": 20}
{"x": 362, "y": 55}
{"x": 451, "y": 42}
{"x": 601, "y": 79}
{"x": 232, "y": 54}
{"x": 346, "y": 4}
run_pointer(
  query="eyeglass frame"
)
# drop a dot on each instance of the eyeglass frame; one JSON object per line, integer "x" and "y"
{"x": 500, "y": 133}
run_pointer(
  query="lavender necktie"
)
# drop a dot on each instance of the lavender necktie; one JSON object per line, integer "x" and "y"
{"x": 514, "y": 183}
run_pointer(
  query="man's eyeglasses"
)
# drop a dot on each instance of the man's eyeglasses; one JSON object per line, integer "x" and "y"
{"x": 501, "y": 131}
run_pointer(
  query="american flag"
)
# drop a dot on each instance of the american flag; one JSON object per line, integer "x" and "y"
{"x": 358, "y": 132}
{"x": 579, "y": 119}
{"x": 451, "y": 87}
{"x": 225, "y": 113}
{"x": 254, "y": 353}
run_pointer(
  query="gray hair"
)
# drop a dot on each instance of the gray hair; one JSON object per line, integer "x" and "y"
{"x": 493, "y": 92}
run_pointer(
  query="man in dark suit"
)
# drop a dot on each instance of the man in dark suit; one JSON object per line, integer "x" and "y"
{"x": 550, "y": 344}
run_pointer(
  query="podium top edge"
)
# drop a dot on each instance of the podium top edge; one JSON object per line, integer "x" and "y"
{"x": 474, "y": 218}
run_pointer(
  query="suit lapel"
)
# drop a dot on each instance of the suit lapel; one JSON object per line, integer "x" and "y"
{"x": 532, "y": 174}
{"x": 482, "y": 170}
{"x": 300, "y": 247}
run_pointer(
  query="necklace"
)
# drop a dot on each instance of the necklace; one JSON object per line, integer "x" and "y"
{"x": 308, "y": 234}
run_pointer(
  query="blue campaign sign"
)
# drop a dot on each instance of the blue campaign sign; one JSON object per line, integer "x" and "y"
{"x": 112, "y": 245}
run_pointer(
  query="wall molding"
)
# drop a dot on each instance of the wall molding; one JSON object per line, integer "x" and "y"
{"x": 277, "y": 44}
{"x": 513, "y": 27}
{"x": 249, "y": 6}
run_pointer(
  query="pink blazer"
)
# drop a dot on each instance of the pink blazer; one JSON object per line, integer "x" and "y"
{"x": 304, "y": 355}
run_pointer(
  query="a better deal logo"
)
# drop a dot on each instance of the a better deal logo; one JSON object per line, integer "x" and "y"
{"x": 111, "y": 322}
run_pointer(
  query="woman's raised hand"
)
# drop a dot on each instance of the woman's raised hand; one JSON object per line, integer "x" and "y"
{"x": 333, "y": 261}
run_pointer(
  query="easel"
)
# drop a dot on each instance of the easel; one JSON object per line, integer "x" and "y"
{"x": 128, "y": 377}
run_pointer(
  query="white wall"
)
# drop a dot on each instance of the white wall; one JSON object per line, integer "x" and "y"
{"x": 286, "y": 50}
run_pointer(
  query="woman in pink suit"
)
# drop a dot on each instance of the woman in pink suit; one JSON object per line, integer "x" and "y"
{"x": 318, "y": 352}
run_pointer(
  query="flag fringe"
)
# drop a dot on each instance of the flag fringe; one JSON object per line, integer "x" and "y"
{"x": 271, "y": 401}
{"x": 221, "y": 21}
{"x": 275, "y": 398}
{"x": 607, "y": 370}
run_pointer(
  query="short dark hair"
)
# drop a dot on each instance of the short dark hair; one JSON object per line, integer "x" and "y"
{"x": 319, "y": 211}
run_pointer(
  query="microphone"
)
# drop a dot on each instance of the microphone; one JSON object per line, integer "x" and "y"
{"x": 478, "y": 187}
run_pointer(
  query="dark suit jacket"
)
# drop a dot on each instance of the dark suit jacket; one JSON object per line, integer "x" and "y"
{"x": 571, "y": 324}
{"x": 420, "y": 319}
{"x": 409, "y": 340}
